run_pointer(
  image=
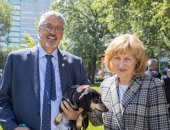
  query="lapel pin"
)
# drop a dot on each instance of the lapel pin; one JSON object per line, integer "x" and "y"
{"x": 65, "y": 58}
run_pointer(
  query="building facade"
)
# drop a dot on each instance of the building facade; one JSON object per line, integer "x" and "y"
{"x": 25, "y": 16}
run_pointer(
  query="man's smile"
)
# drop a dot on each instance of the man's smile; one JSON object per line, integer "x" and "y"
{"x": 51, "y": 37}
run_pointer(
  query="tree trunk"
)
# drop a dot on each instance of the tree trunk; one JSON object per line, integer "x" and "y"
{"x": 92, "y": 69}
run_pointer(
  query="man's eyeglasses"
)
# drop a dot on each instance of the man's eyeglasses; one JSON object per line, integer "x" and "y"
{"x": 48, "y": 27}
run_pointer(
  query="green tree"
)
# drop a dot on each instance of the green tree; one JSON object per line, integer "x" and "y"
{"x": 148, "y": 19}
{"x": 5, "y": 18}
{"x": 90, "y": 23}
{"x": 29, "y": 40}
{"x": 4, "y": 52}
{"x": 3, "y": 55}
{"x": 86, "y": 30}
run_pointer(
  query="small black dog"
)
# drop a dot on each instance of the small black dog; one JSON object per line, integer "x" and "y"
{"x": 88, "y": 100}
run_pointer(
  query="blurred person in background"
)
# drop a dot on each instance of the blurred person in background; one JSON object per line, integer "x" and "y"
{"x": 166, "y": 83}
{"x": 152, "y": 68}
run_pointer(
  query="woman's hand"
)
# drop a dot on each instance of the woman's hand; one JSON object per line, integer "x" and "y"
{"x": 69, "y": 112}
{"x": 84, "y": 88}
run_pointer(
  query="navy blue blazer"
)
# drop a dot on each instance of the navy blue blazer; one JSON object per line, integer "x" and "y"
{"x": 19, "y": 92}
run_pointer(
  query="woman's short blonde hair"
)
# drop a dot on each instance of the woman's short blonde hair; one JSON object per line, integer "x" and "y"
{"x": 123, "y": 44}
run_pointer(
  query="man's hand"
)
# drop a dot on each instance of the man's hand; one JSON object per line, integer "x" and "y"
{"x": 69, "y": 112}
{"x": 84, "y": 88}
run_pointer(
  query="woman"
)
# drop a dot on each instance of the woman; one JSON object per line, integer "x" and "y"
{"x": 135, "y": 100}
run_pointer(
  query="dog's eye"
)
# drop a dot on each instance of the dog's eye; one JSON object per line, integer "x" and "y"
{"x": 97, "y": 100}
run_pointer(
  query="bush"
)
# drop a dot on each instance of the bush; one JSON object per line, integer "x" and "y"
{"x": 99, "y": 79}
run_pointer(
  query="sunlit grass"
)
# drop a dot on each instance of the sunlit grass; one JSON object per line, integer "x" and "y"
{"x": 91, "y": 127}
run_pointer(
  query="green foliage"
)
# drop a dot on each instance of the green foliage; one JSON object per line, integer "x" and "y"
{"x": 99, "y": 79}
{"x": 148, "y": 19}
{"x": 90, "y": 23}
{"x": 86, "y": 31}
{"x": 29, "y": 40}
{"x": 4, "y": 52}
{"x": 5, "y": 17}
{"x": 3, "y": 55}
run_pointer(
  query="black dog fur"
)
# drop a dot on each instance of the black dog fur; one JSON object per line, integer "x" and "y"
{"x": 89, "y": 100}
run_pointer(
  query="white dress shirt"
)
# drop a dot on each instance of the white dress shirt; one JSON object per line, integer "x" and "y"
{"x": 54, "y": 104}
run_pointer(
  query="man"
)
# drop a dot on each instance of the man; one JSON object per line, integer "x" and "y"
{"x": 152, "y": 68}
{"x": 24, "y": 95}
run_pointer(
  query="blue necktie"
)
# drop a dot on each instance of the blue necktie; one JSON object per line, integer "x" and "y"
{"x": 49, "y": 94}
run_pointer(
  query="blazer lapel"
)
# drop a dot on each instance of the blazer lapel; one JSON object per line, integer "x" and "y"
{"x": 117, "y": 108}
{"x": 33, "y": 62}
{"x": 130, "y": 93}
{"x": 62, "y": 63}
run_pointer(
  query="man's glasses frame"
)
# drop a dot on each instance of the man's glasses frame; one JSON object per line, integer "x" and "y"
{"x": 49, "y": 27}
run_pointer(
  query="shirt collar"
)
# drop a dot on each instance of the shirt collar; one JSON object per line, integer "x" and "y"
{"x": 42, "y": 52}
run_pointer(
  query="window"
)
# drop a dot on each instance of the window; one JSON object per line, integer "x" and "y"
{"x": 12, "y": 39}
{"x": 15, "y": 23}
{"x": 14, "y": 34}
{"x": 16, "y": 18}
{"x": 14, "y": 29}
{"x": 14, "y": 1}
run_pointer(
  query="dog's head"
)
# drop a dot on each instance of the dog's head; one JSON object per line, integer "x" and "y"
{"x": 91, "y": 100}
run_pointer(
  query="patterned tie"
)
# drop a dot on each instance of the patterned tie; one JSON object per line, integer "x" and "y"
{"x": 49, "y": 94}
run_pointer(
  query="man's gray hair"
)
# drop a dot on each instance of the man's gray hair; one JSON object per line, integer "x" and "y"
{"x": 152, "y": 62}
{"x": 51, "y": 13}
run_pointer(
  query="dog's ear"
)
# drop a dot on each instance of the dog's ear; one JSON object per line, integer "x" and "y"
{"x": 94, "y": 93}
{"x": 86, "y": 120}
{"x": 85, "y": 101}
